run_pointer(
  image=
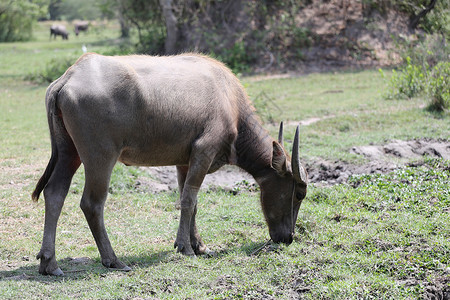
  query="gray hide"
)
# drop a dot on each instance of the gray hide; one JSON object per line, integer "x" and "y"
{"x": 189, "y": 111}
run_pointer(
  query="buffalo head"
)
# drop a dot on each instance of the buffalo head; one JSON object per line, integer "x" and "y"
{"x": 283, "y": 188}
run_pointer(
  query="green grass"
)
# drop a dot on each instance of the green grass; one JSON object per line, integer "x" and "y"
{"x": 379, "y": 236}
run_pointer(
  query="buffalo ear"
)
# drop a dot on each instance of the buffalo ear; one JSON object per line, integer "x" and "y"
{"x": 279, "y": 162}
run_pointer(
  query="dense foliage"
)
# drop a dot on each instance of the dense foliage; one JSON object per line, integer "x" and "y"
{"x": 248, "y": 33}
{"x": 241, "y": 33}
{"x": 426, "y": 72}
{"x": 16, "y": 19}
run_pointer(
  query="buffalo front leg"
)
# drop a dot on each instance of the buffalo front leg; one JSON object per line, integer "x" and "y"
{"x": 54, "y": 193}
{"x": 196, "y": 242}
{"x": 181, "y": 178}
{"x": 188, "y": 207}
{"x": 188, "y": 240}
{"x": 92, "y": 205}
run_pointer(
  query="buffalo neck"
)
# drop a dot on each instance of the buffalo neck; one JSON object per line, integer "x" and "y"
{"x": 253, "y": 146}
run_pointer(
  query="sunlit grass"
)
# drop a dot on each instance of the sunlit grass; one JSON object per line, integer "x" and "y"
{"x": 379, "y": 236}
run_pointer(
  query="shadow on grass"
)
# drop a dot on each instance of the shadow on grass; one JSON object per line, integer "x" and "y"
{"x": 80, "y": 268}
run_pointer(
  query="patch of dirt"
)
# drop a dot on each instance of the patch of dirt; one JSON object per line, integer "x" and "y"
{"x": 380, "y": 159}
{"x": 439, "y": 288}
{"x": 406, "y": 149}
{"x": 228, "y": 178}
{"x": 309, "y": 121}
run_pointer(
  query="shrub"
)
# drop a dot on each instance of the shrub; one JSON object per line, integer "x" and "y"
{"x": 16, "y": 20}
{"x": 426, "y": 72}
{"x": 238, "y": 58}
{"x": 425, "y": 51}
{"x": 52, "y": 70}
{"x": 438, "y": 87}
{"x": 406, "y": 83}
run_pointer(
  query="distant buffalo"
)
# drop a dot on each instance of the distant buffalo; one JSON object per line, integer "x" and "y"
{"x": 80, "y": 26}
{"x": 59, "y": 30}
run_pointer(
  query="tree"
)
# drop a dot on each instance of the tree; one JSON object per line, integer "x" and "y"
{"x": 415, "y": 19}
{"x": 124, "y": 25}
{"x": 146, "y": 17}
{"x": 171, "y": 26}
{"x": 17, "y": 18}
{"x": 54, "y": 9}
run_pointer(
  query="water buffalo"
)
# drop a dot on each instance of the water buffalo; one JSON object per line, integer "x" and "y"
{"x": 59, "y": 30}
{"x": 187, "y": 110}
{"x": 80, "y": 26}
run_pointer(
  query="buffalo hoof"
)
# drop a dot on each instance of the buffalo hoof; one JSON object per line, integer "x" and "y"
{"x": 202, "y": 249}
{"x": 184, "y": 250}
{"x": 116, "y": 265}
{"x": 48, "y": 265}
{"x": 55, "y": 272}
{"x": 124, "y": 269}
{"x": 209, "y": 253}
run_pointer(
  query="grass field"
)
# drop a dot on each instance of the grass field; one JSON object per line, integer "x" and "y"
{"x": 377, "y": 236}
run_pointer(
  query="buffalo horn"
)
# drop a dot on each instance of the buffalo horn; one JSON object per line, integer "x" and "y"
{"x": 280, "y": 134}
{"x": 297, "y": 169}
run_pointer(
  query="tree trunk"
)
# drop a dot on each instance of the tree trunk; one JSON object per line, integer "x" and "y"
{"x": 414, "y": 21}
{"x": 124, "y": 27}
{"x": 171, "y": 26}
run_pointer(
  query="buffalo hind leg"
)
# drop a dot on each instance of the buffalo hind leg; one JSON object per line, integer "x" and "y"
{"x": 55, "y": 192}
{"x": 92, "y": 205}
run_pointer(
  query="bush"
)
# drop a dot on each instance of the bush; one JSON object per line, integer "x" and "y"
{"x": 16, "y": 20}
{"x": 426, "y": 72}
{"x": 52, "y": 70}
{"x": 438, "y": 87}
{"x": 238, "y": 57}
{"x": 406, "y": 83}
{"x": 426, "y": 51}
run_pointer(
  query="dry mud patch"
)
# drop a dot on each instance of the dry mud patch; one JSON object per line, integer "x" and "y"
{"x": 377, "y": 159}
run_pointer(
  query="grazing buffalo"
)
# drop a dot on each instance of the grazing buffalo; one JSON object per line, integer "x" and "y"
{"x": 187, "y": 110}
{"x": 59, "y": 30}
{"x": 80, "y": 26}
